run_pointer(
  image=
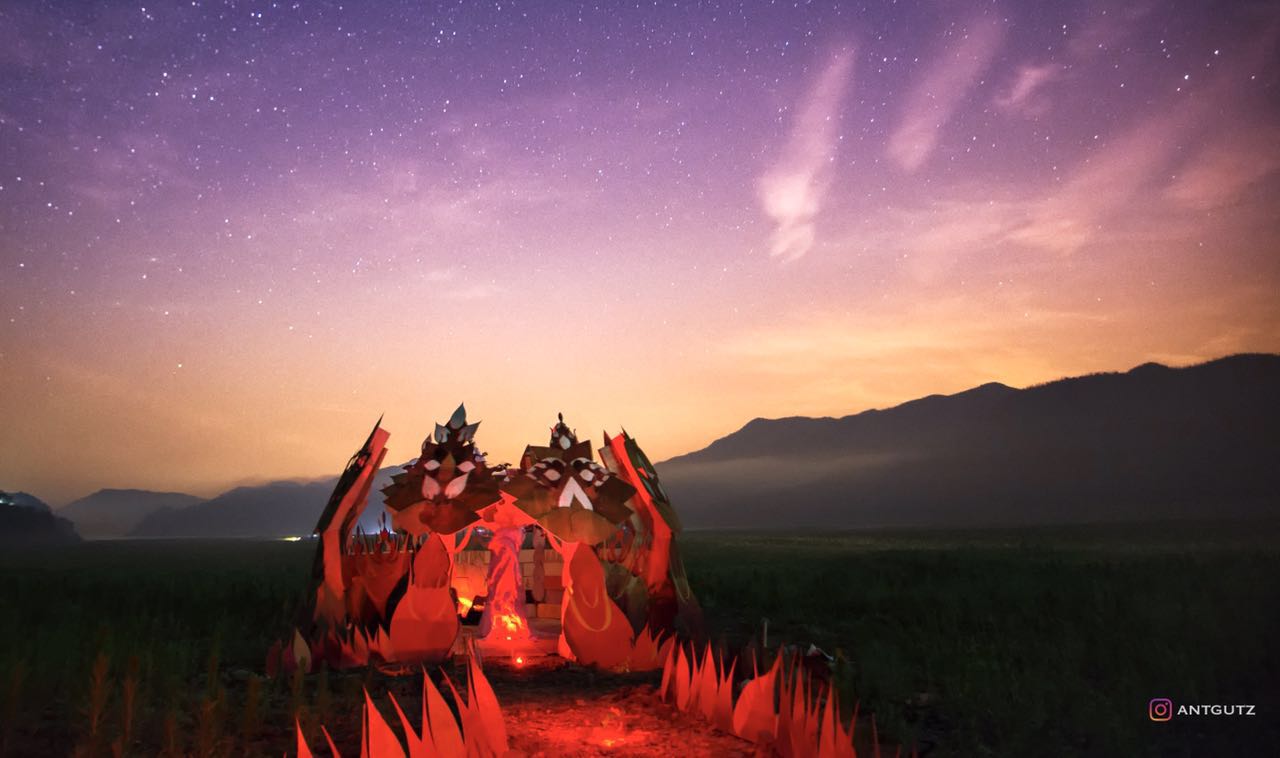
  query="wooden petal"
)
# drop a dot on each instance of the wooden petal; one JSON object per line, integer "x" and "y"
{"x": 827, "y": 731}
{"x": 683, "y": 680}
{"x": 666, "y": 692}
{"x": 432, "y": 564}
{"x": 485, "y": 704}
{"x": 722, "y": 713}
{"x": 333, "y": 749}
{"x": 304, "y": 751}
{"x": 707, "y": 686}
{"x": 577, "y": 525}
{"x": 301, "y": 652}
{"x": 425, "y": 625}
{"x": 417, "y": 747}
{"x": 445, "y": 735}
{"x": 380, "y": 741}
{"x": 754, "y": 717}
{"x": 594, "y": 626}
{"x": 644, "y": 654}
{"x": 456, "y": 486}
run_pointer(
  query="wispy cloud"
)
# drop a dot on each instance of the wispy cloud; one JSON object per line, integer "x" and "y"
{"x": 1137, "y": 184}
{"x": 1220, "y": 172}
{"x": 1104, "y": 187}
{"x": 1119, "y": 183}
{"x": 935, "y": 97}
{"x": 1025, "y": 94}
{"x": 793, "y": 190}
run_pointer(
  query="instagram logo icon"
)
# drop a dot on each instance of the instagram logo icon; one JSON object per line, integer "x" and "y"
{"x": 1160, "y": 709}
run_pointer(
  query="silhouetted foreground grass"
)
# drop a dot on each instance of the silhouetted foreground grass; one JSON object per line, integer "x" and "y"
{"x": 1047, "y": 642}
{"x": 1038, "y": 642}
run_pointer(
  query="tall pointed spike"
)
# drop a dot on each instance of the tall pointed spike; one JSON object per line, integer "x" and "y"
{"x": 333, "y": 749}
{"x": 827, "y": 733}
{"x": 381, "y": 740}
{"x": 426, "y": 720}
{"x": 683, "y": 679}
{"x": 723, "y": 712}
{"x": 411, "y": 738}
{"x": 446, "y": 738}
{"x": 459, "y": 417}
{"x": 304, "y": 751}
{"x": 489, "y": 712}
{"x": 668, "y": 672}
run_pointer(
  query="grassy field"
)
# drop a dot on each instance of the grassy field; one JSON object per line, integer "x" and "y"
{"x": 1047, "y": 642}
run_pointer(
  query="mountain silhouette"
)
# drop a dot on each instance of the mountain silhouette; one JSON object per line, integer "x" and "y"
{"x": 1149, "y": 444}
{"x": 1153, "y": 443}
{"x": 27, "y": 520}
{"x": 115, "y": 513}
{"x": 275, "y": 509}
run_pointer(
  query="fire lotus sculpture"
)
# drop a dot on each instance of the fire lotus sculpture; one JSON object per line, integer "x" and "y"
{"x": 603, "y": 548}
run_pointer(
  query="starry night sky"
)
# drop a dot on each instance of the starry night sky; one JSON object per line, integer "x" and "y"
{"x": 233, "y": 234}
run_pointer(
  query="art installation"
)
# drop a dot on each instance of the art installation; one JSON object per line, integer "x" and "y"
{"x": 561, "y": 555}
{"x": 782, "y": 710}
{"x": 478, "y": 729}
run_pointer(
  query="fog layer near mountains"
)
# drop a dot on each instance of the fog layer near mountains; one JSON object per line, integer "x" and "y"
{"x": 117, "y": 512}
{"x": 1153, "y": 443}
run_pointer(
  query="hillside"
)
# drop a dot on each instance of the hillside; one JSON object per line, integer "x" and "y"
{"x": 1152, "y": 443}
{"x": 275, "y": 509}
{"x": 115, "y": 512}
{"x": 26, "y": 520}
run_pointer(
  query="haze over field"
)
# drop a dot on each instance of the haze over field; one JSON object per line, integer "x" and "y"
{"x": 1148, "y": 445}
{"x": 231, "y": 237}
{"x": 1153, "y": 444}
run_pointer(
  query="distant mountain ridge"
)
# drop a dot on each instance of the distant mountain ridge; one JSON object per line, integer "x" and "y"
{"x": 274, "y": 509}
{"x": 26, "y": 520}
{"x": 1151, "y": 443}
{"x": 117, "y": 512}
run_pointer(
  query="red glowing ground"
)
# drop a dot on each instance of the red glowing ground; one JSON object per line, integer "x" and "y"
{"x": 556, "y": 709}
{"x": 625, "y": 722}
{"x": 546, "y": 718}
{"x": 553, "y": 708}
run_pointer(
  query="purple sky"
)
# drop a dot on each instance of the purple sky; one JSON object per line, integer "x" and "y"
{"x": 231, "y": 235}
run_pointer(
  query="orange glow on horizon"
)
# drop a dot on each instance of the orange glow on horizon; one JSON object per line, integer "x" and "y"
{"x": 179, "y": 315}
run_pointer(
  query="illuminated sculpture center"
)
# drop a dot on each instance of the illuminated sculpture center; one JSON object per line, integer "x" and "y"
{"x": 590, "y": 545}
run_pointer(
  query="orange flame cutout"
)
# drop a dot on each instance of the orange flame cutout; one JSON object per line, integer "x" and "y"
{"x": 781, "y": 708}
{"x": 482, "y": 730}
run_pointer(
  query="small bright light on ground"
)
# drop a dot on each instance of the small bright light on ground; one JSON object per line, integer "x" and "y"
{"x": 292, "y": 539}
